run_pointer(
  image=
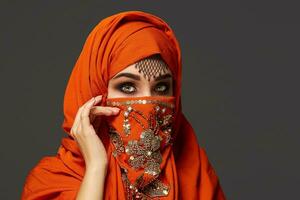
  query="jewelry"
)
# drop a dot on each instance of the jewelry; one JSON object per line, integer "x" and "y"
{"x": 152, "y": 65}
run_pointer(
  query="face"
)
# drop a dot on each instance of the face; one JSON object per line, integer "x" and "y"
{"x": 132, "y": 83}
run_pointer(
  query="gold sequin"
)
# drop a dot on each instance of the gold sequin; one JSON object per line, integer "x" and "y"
{"x": 156, "y": 188}
{"x": 117, "y": 142}
{"x": 144, "y": 152}
{"x": 139, "y": 101}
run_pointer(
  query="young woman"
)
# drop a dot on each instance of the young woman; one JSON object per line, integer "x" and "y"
{"x": 127, "y": 135}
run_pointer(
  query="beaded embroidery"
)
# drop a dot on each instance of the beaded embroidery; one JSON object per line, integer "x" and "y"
{"x": 144, "y": 152}
{"x": 162, "y": 121}
{"x": 140, "y": 101}
{"x": 152, "y": 66}
{"x": 154, "y": 189}
{"x": 117, "y": 142}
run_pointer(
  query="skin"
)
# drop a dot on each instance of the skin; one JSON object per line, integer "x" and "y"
{"x": 127, "y": 83}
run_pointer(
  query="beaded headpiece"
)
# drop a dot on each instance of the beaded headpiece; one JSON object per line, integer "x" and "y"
{"x": 152, "y": 66}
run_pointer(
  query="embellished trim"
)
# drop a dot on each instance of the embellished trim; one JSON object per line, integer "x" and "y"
{"x": 154, "y": 189}
{"x": 143, "y": 152}
{"x": 139, "y": 101}
{"x": 117, "y": 142}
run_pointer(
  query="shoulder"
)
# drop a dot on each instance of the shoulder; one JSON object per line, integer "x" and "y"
{"x": 49, "y": 178}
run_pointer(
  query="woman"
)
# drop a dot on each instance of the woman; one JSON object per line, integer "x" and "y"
{"x": 127, "y": 135}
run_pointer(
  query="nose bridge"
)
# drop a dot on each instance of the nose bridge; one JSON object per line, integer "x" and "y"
{"x": 147, "y": 89}
{"x": 147, "y": 92}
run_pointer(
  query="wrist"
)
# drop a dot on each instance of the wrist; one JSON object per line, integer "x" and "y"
{"x": 96, "y": 167}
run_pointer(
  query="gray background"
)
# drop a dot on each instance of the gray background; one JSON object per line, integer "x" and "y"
{"x": 240, "y": 84}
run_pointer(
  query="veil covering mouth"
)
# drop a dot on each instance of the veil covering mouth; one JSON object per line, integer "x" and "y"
{"x": 182, "y": 167}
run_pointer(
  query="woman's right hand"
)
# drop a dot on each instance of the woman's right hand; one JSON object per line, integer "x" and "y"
{"x": 83, "y": 132}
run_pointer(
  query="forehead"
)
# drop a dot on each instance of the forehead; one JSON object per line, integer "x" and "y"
{"x": 150, "y": 67}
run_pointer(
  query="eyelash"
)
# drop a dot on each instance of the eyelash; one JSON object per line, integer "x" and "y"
{"x": 130, "y": 84}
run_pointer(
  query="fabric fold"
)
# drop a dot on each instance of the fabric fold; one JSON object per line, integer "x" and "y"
{"x": 113, "y": 44}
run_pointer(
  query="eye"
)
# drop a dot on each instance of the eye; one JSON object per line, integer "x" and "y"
{"x": 126, "y": 87}
{"x": 162, "y": 87}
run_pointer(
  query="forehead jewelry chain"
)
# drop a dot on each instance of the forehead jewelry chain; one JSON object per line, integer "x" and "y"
{"x": 151, "y": 66}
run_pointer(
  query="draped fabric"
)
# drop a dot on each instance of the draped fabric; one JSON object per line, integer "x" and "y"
{"x": 141, "y": 136}
{"x": 113, "y": 44}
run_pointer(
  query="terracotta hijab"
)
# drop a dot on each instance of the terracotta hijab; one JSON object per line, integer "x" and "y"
{"x": 115, "y": 43}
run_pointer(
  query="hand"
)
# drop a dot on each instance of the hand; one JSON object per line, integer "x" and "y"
{"x": 83, "y": 132}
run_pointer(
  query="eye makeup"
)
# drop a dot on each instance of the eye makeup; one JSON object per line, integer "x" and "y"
{"x": 162, "y": 87}
{"x": 130, "y": 88}
{"x": 126, "y": 87}
{"x": 130, "y": 84}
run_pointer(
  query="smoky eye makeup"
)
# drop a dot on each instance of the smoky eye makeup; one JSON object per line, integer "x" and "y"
{"x": 126, "y": 87}
{"x": 130, "y": 87}
{"x": 162, "y": 87}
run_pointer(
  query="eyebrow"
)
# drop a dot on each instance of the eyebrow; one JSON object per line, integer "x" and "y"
{"x": 165, "y": 76}
{"x": 137, "y": 77}
{"x": 129, "y": 75}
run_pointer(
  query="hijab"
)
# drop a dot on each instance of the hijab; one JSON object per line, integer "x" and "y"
{"x": 113, "y": 44}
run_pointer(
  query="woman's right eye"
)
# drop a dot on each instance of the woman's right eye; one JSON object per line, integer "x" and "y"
{"x": 127, "y": 88}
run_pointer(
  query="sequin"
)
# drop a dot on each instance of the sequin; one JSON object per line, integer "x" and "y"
{"x": 117, "y": 142}
{"x": 144, "y": 152}
{"x": 140, "y": 101}
{"x": 126, "y": 124}
{"x": 156, "y": 188}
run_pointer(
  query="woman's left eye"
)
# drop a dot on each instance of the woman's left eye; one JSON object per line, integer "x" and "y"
{"x": 162, "y": 87}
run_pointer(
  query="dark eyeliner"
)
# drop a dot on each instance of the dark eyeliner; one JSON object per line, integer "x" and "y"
{"x": 166, "y": 84}
{"x": 120, "y": 86}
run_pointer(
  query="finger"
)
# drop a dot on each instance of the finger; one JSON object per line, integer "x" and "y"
{"x": 76, "y": 123}
{"x": 98, "y": 99}
{"x": 104, "y": 110}
{"x": 72, "y": 132}
{"x": 98, "y": 111}
{"x": 78, "y": 114}
{"x": 93, "y": 99}
{"x": 85, "y": 114}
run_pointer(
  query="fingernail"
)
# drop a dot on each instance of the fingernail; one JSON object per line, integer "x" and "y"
{"x": 116, "y": 109}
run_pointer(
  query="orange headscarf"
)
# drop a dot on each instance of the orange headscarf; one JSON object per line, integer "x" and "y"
{"x": 115, "y": 43}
